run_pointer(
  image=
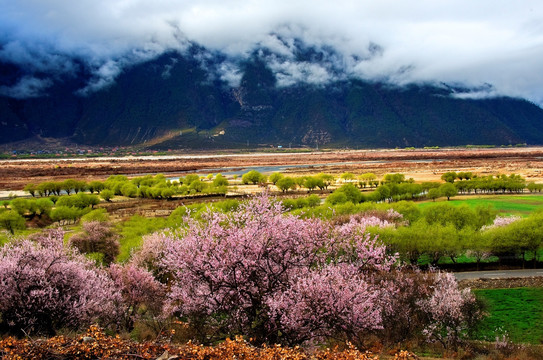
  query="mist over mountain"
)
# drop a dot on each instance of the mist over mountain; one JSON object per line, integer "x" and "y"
{"x": 200, "y": 99}
{"x": 306, "y": 72}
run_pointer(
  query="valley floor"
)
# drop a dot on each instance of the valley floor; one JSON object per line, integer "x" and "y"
{"x": 422, "y": 164}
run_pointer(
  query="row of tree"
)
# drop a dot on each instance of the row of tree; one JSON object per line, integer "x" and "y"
{"x": 512, "y": 239}
{"x": 286, "y": 183}
{"x": 392, "y": 187}
{"x": 443, "y": 232}
{"x": 391, "y": 192}
{"x": 469, "y": 182}
{"x": 435, "y": 233}
{"x": 63, "y": 209}
{"x": 492, "y": 184}
{"x": 157, "y": 187}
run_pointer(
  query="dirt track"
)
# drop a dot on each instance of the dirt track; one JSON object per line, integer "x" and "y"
{"x": 422, "y": 165}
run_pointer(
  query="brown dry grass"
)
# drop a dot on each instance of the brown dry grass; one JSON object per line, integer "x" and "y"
{"x": 422, "y": 165}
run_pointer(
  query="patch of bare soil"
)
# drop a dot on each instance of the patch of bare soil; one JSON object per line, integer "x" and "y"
{"x": 422, "y": 165}
{"x": 502, "y": 283}
{"x": 124, "y": 208}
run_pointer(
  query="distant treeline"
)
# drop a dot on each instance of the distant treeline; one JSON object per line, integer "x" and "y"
{"x": 395, "y": 187}
{"x": 155, "y": 187}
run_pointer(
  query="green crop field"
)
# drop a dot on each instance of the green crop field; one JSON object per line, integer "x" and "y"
{"x": 521, "y": 205}
{"x": 518, "y": 312}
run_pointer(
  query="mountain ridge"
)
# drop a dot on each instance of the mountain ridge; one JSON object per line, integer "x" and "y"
{"x": 174, "y": 98}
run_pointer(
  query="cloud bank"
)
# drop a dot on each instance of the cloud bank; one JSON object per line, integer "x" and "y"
{"x": 461, "y": 42}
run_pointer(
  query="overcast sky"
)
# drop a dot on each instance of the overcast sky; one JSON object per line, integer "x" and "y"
{"x": 492, "y": 45}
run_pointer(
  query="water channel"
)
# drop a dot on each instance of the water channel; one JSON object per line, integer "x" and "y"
{"x": 236, "y": 170}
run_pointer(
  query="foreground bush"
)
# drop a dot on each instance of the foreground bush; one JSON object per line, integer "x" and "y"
{"x": 97, "y": 238}
{"x": 253, "y": 272}
{"x": 45, "y": 287}
{"x": 143, "y": 296}
{"x": 282, "y": 279}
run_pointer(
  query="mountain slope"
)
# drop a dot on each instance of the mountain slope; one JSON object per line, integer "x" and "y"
{"x": 173, "y": 102}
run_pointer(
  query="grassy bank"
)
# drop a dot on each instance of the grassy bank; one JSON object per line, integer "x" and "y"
{"x": 517, "y": 312}
{"x": 521, "y": 205}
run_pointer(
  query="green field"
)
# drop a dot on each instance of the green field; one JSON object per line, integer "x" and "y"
{"x": 519, "y": 312}
{"x": 521, "y": 205}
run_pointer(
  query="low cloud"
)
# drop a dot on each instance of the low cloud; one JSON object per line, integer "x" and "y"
{"x": 38, "y": 58}
{"x": 27, "y": 87}
{"x": 290, "y": 73}
{"x": 103, "y": 76}
{"x": 230, "y": 73}
{"x": 423, "y": 41}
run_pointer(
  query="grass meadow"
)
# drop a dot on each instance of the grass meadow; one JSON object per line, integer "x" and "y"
{"x": 521, "y": 205}
{"x": 516, "y": 312}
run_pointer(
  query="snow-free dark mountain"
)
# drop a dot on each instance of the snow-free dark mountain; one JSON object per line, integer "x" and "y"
{"x": 173, "y": 102}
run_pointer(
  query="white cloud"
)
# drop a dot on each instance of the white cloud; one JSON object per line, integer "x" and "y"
{"x": 230, "y": 73}
{"x": 27, "y": 87}
{"x": 289, "y": 73}
{"x": 103, "y": 76}
{"x": 462, "y": 41}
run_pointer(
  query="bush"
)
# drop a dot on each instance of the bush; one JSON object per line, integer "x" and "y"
{"x": 226, "y": 205}
{"x": 11, "y": 221}
{"x": 197, "y": 186}
{"x": 289, "y": 204}
{"x": 79, "y": 201}
{"x": 220, "y": 181}
{"x": 67, "y": 214}
{"x": 46, "y": 287}
{"x": 460, "y": 216}
{"x": 23, "y": 206}
{"x": 107, "y": 194}
{"x": 337, "y": 197}
{"x": 167, "y": 193}
{"x": 180, "y": 212}
{"x": 352, "y": 193}
{"x": 313, "y": 200}
{"x": 408, "y": 209}
{"x": 286, "y": 183}
{"x": 279, "y": 278}
{"x": 254, "y": 177}
{"x": 97, "y": 237}
{"x": 189, "y": 179}
{"x": 44, "y": 206}
{"x": 301, "y": 202}
{"x": 129, "y": 190}
{"x": 142, "y": 294}
{"x": 96, "y": 215}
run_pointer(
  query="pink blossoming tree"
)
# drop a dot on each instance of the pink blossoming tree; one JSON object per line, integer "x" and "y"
{"x": 97, "y": 238}
{"x": 143, "y": 296}
{"x": 227, "y": 268}
{"x": 46, "y": 287}
{"x": 450, "y": 311}
{"x": 278, "y": 278}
